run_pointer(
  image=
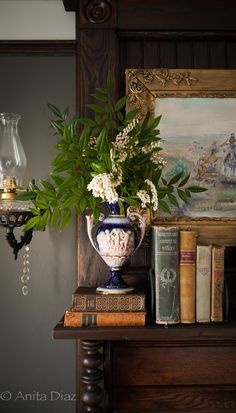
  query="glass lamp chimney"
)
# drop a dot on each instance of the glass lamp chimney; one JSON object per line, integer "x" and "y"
{"x": 12, "y": 156}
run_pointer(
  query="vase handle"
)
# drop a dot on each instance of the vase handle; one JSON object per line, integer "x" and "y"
{"x": 142, "y": 225}
{"x": 90, "y": 226}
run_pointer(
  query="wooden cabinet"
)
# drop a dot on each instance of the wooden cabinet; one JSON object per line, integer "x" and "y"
{"x": 183, "y": 369}
{"x": 156, "y": 369}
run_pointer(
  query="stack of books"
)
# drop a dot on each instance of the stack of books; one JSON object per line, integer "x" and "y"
{"x": 187, "y": 279}
{"x": 92, "y": 309}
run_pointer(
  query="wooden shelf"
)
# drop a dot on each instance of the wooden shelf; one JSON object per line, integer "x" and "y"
{"x": 205, "y": 334}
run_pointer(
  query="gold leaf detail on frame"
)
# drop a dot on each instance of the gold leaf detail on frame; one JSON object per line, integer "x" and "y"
{"x": 164, "y": 76}
{"x": 135, "y": 94}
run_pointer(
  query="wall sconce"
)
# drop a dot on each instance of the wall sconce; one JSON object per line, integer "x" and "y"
{"x": 13, "y": 213}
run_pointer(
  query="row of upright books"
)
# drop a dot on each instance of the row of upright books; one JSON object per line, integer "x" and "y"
{"x": 187, "y": 280}
{"x": 186, "y": 286}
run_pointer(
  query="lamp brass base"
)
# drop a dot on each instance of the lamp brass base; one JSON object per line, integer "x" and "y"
{"x": 7, "y": 195}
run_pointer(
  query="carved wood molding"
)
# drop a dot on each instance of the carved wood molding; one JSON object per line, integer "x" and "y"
{"x": 177, "y": 35}
{"x": 97, "y": 14}
{"x": 98, "y": 11}
{"x": 217, "y": 342}
{"x": 153, "y": 15}
{"x": 51, "y": 47}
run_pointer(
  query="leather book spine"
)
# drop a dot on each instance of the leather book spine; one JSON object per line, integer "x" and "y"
{"x": 203, "y": 284}
{"x": 217, "y": 285}
{"x": 187, "y": 276}
{"x": 151, "y": 305}
{"x": 165, "y": 261}
{"x": 90, "y": 319}
{"x": 108, "y": 303}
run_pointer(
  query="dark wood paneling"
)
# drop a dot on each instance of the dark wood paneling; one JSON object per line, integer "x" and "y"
{"x": 184, "y": 54}
{"x": 134, "y": 54}
{"x": 200, "y": 55}
{"x": 176, "y": 15}
{"x": 151, "y": 52}
{"x": 168, "y": 54}
{"x": 98, "y": 54}
{"x": 175, "y": 366}
{"x": 231, "y": 55}
{"x": 158, "y": 15}
{"x": 179, "y": 399}
{"x": 217, "y": 55}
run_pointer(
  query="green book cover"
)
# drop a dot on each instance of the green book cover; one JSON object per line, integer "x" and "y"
{"x": 165, "y": 263}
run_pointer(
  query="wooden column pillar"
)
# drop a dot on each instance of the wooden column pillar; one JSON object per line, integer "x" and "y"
{"x": 91, "y": 393}
{"x": 97, "y": 54}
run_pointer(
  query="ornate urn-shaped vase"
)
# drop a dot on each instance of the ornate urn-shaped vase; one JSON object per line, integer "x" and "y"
{"x": 115, "y": 241}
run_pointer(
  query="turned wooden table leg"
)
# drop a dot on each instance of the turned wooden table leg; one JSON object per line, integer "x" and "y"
{"x": 91, "y": 375}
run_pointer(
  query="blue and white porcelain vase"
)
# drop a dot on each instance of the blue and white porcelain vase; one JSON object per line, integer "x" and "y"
{"x": 115, "y": 241}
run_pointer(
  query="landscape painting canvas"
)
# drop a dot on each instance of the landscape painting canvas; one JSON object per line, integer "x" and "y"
{"x": 199, "y": 138}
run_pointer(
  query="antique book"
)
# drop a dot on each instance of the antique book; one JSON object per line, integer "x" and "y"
{"x": 86, "y": 299}
{"x": 165, "y": 265}
{"x": 203, "y": 284}
{"x": 89, "y": 319}
{"x": 217, "y": 284}
{"x": 187, "y": 247}
{"x": 150, "y": 296}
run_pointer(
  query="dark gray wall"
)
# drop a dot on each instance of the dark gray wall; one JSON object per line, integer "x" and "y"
{"x": 33, "y": 366}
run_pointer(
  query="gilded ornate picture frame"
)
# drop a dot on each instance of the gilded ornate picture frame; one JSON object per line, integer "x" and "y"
{"x": 198, "y": 126}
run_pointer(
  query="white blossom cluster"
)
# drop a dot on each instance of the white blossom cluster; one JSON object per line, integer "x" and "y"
{"x": 116, "y": 168}
{"x": 150, "y": 147}
{"x": 133, "y": 150}
{"x": 130, "y": 126}
{"x": 119, "y": 151}
{"x": 146, "y": 199}
{"x": 154, "y": 194}
{"x": 122, "y": 139}
{"x": 158, "y": 159}
{"x": 117, "y": 157}
{"x": 103, "y": 186}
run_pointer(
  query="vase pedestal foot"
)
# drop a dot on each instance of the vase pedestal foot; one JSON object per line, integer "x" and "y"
{"x": 103, "y": 289}
{"x": 114, "y": 284}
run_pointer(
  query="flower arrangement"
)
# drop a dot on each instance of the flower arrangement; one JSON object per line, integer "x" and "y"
{"x": 105, "y": 158}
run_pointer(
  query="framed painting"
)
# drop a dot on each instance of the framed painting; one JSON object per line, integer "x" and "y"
{"x": 198, "y": 128}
